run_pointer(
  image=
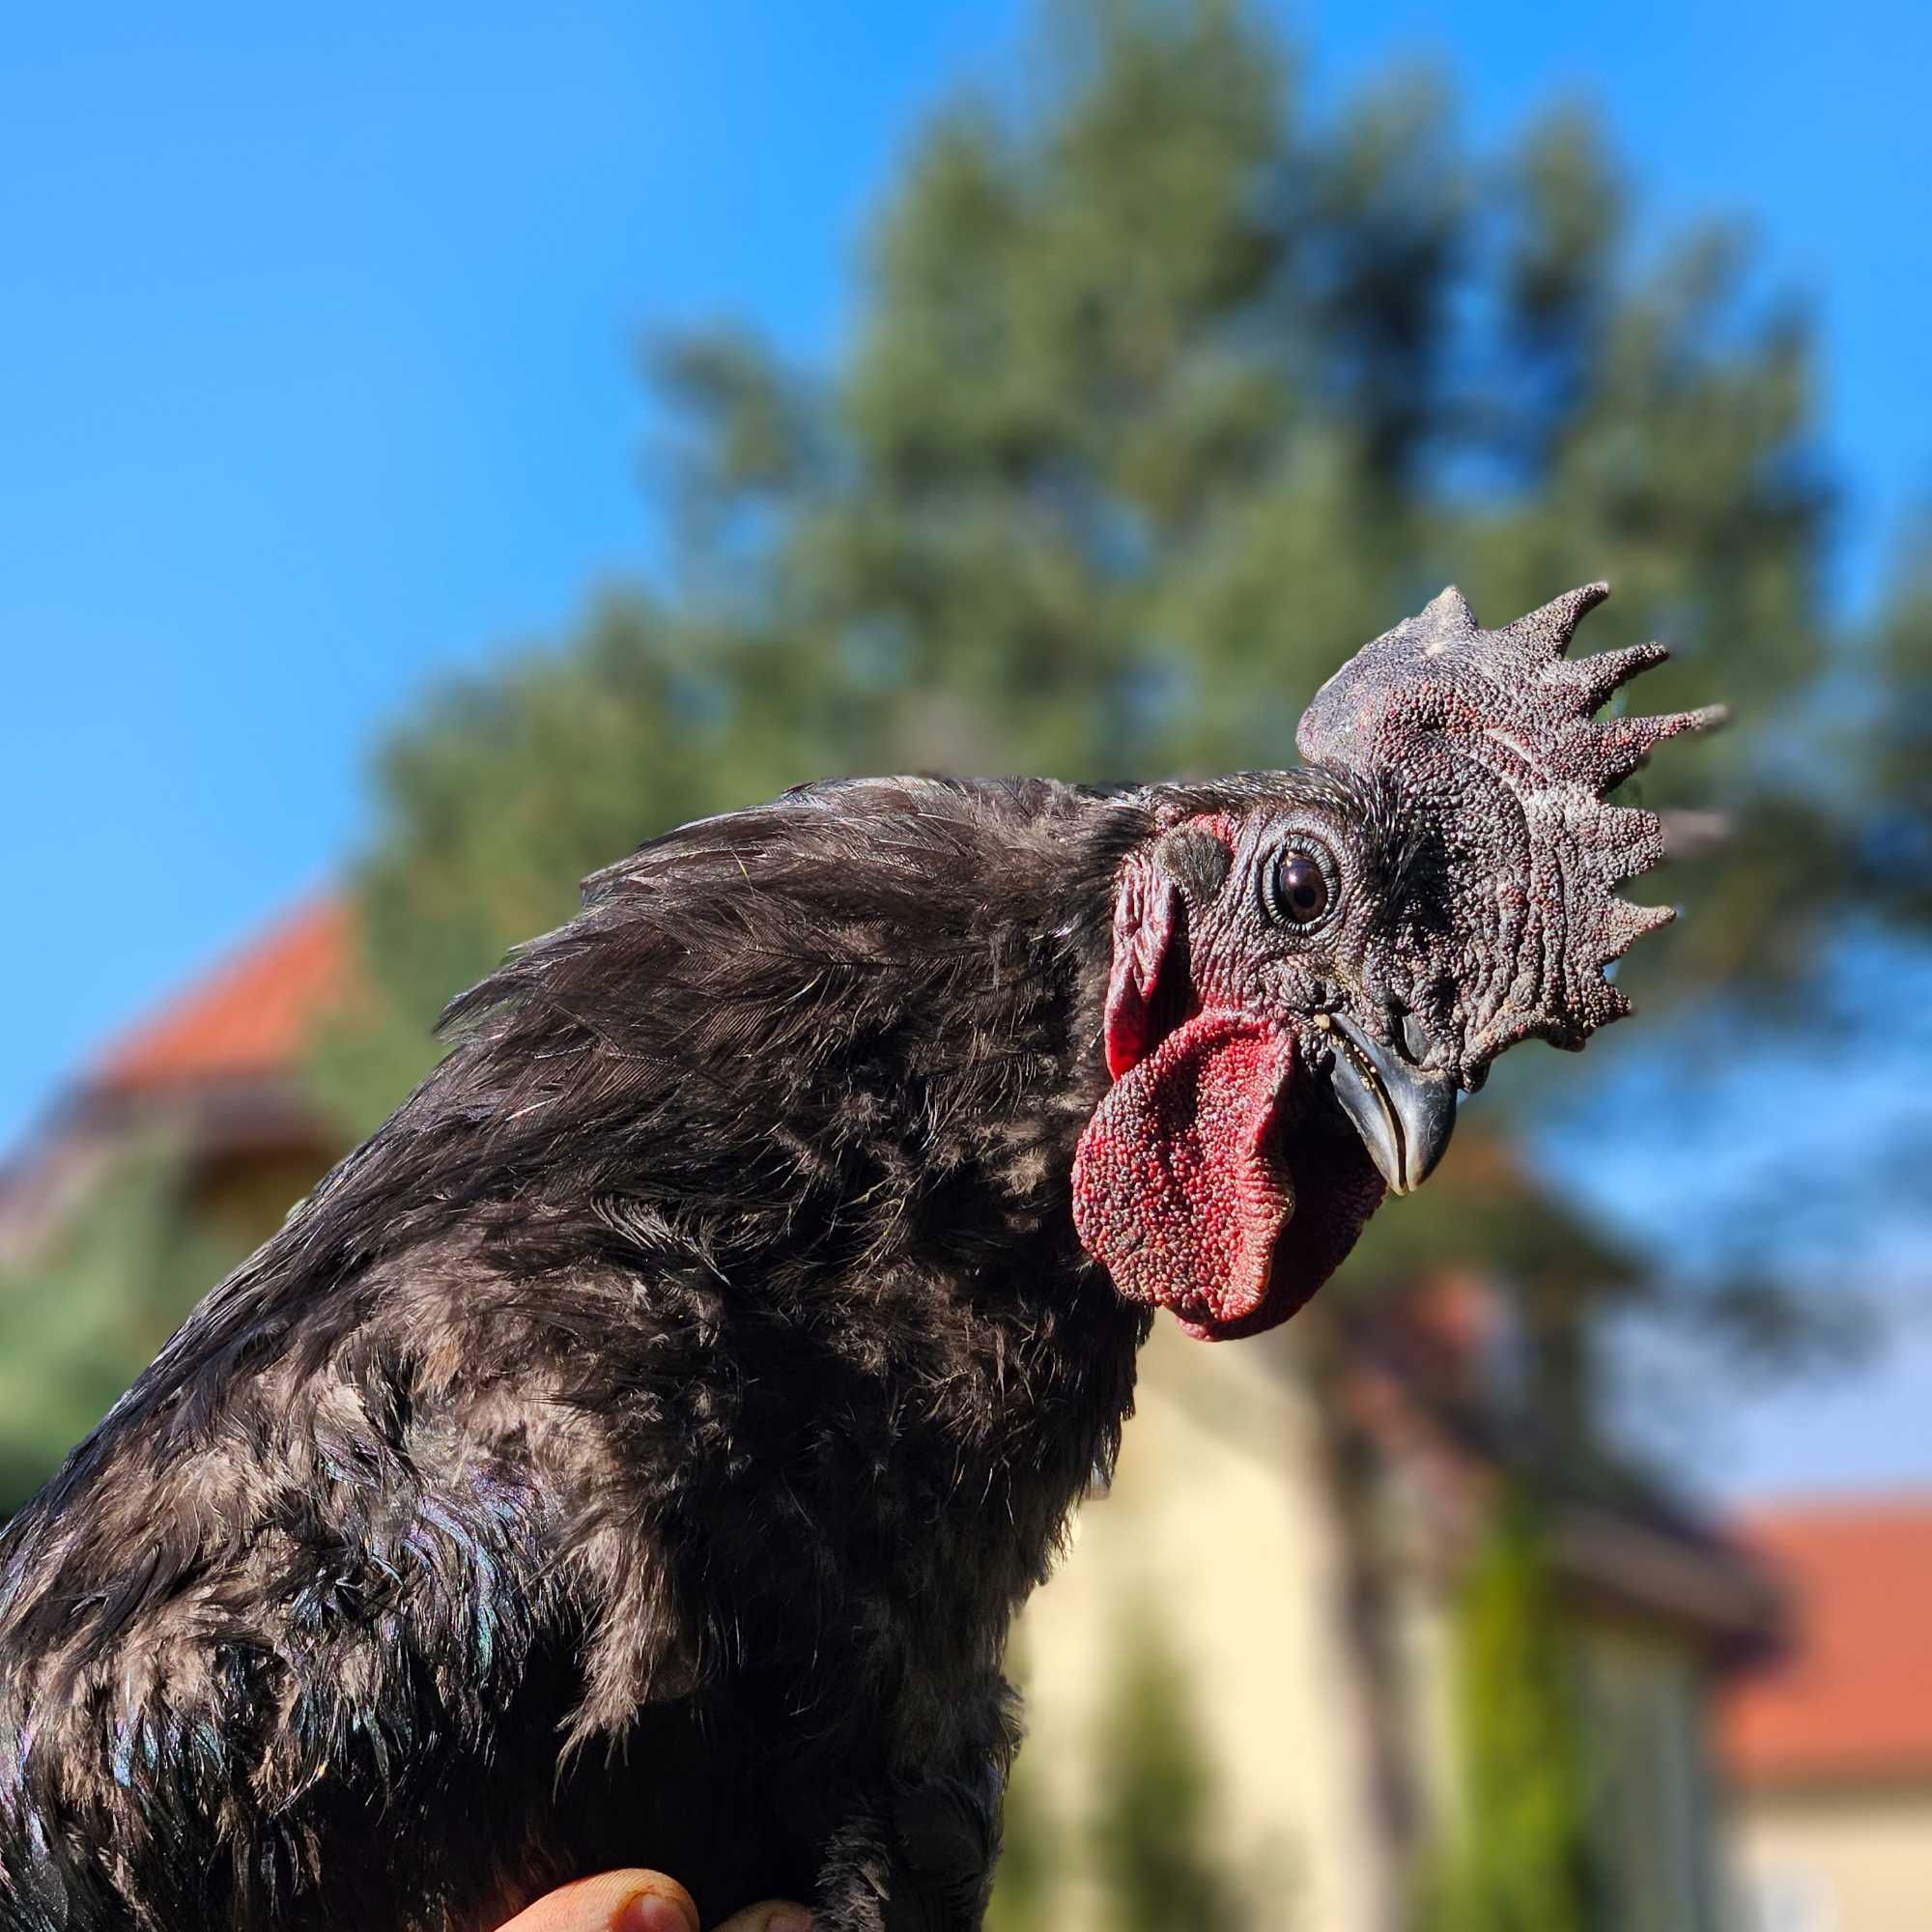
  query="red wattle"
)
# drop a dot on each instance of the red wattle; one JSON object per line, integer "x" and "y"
{"x": 1173, "y": 1190}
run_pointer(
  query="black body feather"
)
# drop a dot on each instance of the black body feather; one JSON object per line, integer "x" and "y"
{"x": 635, "y": 1452}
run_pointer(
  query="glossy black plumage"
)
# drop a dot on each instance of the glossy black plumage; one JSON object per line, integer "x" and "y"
{"x": 634, "y": 1452}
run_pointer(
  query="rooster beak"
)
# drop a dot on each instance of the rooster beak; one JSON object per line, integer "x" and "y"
{"x": 1403, "y": 1115}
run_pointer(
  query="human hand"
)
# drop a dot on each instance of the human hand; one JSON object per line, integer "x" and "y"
{"x": 644, "y": 1901}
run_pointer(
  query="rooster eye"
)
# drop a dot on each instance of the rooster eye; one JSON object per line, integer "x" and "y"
{"x": 1299, "y": 889}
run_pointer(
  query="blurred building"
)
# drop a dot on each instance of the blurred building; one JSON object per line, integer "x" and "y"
{"x": 216, "y": 1068}
{"x": 1829, "y": 1751}
{"x": 1298, "y": 1559}
{"x": 1315, "y": 1607}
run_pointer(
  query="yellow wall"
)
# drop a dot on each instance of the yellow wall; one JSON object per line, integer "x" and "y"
{"x": 1845, "y": 1861}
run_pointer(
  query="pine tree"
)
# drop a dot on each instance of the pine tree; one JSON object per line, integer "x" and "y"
{"x": 1156, "y": 1850}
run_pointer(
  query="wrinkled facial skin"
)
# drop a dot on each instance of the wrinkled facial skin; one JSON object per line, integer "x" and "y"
{"x": 1221, "y": 1176}
{"x": 1308, "y": 965}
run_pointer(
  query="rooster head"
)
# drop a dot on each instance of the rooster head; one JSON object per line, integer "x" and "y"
{"x": 1309, "y": 966}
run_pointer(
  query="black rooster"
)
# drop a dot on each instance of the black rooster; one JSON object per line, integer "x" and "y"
{"x": 637, "y": 1450}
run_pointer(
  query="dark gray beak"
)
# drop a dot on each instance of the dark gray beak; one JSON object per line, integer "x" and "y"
{"x": 1403, "y": 1115}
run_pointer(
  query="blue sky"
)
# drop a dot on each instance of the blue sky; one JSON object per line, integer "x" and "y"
{"x": 1797, "y": 1164}
{"x": 316, "y": 371}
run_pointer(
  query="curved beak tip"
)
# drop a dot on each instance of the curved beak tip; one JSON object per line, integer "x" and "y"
{"x": 1403, "y": 1115}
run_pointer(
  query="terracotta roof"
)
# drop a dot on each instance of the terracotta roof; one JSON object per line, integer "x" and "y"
{"x": 246, "y": 1018}
{"x": 1851, "y": 1699}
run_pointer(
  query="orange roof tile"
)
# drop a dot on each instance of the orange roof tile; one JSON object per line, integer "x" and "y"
{"x": 1851, "y": 1701}
{"x": 246, "y": 1018}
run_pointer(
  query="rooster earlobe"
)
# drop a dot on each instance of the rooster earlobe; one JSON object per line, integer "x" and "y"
{"x": 1150, "y": 925}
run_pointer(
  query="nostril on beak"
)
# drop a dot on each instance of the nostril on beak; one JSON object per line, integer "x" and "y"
{"x": 1415, "y": 1041}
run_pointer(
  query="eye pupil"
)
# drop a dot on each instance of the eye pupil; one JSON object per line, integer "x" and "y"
{"x": 1301, "y": 888}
